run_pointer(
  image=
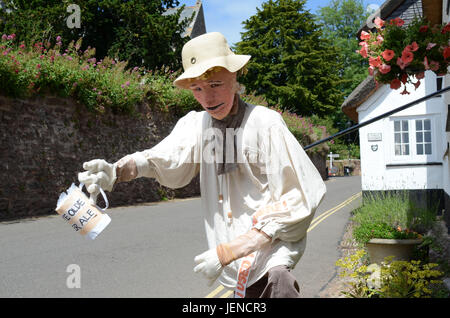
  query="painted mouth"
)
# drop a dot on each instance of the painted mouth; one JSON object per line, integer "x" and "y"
{"x": 215, "y": 107}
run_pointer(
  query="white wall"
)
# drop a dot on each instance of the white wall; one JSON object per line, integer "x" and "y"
{"x": 374, "y": 173}
{"x": 446, "y": 164}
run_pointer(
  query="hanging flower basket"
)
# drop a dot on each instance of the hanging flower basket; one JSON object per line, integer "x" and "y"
{"x": 399, "y": 54}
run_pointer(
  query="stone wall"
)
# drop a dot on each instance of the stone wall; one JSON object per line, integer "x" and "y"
{"x": 44, "y": 142}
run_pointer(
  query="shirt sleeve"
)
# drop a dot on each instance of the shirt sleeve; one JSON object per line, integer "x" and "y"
{"x": 175, "y": 161}
{"x": 296, "y": 187}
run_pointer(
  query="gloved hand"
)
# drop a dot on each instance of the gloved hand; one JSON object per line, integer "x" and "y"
{"x": 99, "y": 174}
{"x": 208, "y": 265}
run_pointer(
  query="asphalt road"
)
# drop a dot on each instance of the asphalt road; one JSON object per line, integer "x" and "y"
{"x": 148, "y": 251}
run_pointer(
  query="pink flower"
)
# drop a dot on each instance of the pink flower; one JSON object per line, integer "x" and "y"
{"x": 388, "y": 55}
{"x": 384, "y": 68}
{"x": 38, "y": 66}
{"x": 379, "y": 22}
{"x": 58, "y": 39}
{"x": 407, "y": 56}
{"x": 375, "y": 62}
{"x": 395, "y": 83}
{"x": 4, "y": 37}
{"x": 363, "y": 50}
{"x": 371, "y": 69}
{"x": 127, "y": 83}
{"x": 430, "y": 46}
{"x": 364, "y": 35}
{"x": 380, "y": 39}
{"x": 401, "y": 63}
{"x": 412, "y": 47}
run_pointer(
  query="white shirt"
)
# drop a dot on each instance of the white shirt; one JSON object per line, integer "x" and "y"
{"x": 273, "y": 167}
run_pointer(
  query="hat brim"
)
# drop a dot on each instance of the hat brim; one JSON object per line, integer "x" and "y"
{"x": 232, "y": 63}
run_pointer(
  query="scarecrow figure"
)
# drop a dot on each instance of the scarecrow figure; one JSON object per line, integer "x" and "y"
{"x": 259, "y": 189}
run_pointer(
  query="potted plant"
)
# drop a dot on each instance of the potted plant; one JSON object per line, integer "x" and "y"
{"x": 391, "y": 225}
{"x": 400, "y": 54}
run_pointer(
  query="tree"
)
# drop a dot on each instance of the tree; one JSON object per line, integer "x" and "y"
{"x": 340, "y": 21}
{"x": 292, "y": 63}
{"x": 135, "y": 31}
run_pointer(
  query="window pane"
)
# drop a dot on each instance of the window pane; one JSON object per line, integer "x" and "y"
{"x": 427, "y": 136}
{"x": 419, "y": 137}
{"x": 428, "y": 149}
{"x": 427, "y": 124}
{"x": 418, "y": 125}
{"x": 397, "y": 150}
{"x": 404, "y": 125}
{"x": 397, "y": 125}
{"x": 398, "y": 138}
{"x": 405, "y": 138}
{"x": 420, "y": 149}
{"x": 406, "y": 149}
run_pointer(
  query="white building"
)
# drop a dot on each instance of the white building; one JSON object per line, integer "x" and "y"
{"x": 410, "y": 149}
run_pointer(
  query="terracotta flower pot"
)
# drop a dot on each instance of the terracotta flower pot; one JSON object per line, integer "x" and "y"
{"x": 378, "y": 249}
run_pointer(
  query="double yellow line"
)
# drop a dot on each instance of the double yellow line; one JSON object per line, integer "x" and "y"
{"x": 313, "y": 224}
{"x": 326, "y": 214}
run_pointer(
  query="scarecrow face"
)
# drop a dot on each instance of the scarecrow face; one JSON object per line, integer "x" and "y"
{"x": 216, "y": 93}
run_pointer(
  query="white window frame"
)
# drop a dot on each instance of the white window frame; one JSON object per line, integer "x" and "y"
{"x": 413, "y": 157}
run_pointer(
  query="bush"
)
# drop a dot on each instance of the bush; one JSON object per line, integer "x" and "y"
{"x": 390, "y": 215}
{"x": 393, "y": 279}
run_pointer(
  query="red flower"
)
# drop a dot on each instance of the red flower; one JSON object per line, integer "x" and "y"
{"x": 420, "y": 75}
{"x": 423, "y": 28}
{"x": 371, "y": 69}
{"x": 407, "y": 56}
{"x": 395, "y": 83}
{"x": 397, "y": 21}
{"x": 446, "y": 52}
{"x": 384, "y": 68}
{"x": 417, "y": 84}
{"x": 375, "y": 62}
{"x": 446, "y": 28}
{"x": 364, "y": 35}
{"x": 401, "y": 63}
{"x": 412, "y": 47}
{"x": 388, "y": 55}
{"x": 434, "y": 66}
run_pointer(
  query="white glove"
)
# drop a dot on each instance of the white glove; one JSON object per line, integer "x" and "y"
{"x": 99, "y": 174}
{"x": 208, "y": 265}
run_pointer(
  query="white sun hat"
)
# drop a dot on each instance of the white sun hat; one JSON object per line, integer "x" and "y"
{"x": 204, "y": 52}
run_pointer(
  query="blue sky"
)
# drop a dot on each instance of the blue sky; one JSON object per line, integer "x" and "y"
{"x": 227, "y": 16}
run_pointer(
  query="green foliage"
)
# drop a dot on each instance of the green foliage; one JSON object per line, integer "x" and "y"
{"x": 305, "y": 129}
{"x": 367, "y": 231}
{"x": 28, "y": 70}
{"x": 292, "y": 65}
{"x": 135, "y": 31}
{"x": 170, "y": 98}
{"x": 393, "y": 279}
{"x": 341, "y": 20}
{"x": 395, "y": 211}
